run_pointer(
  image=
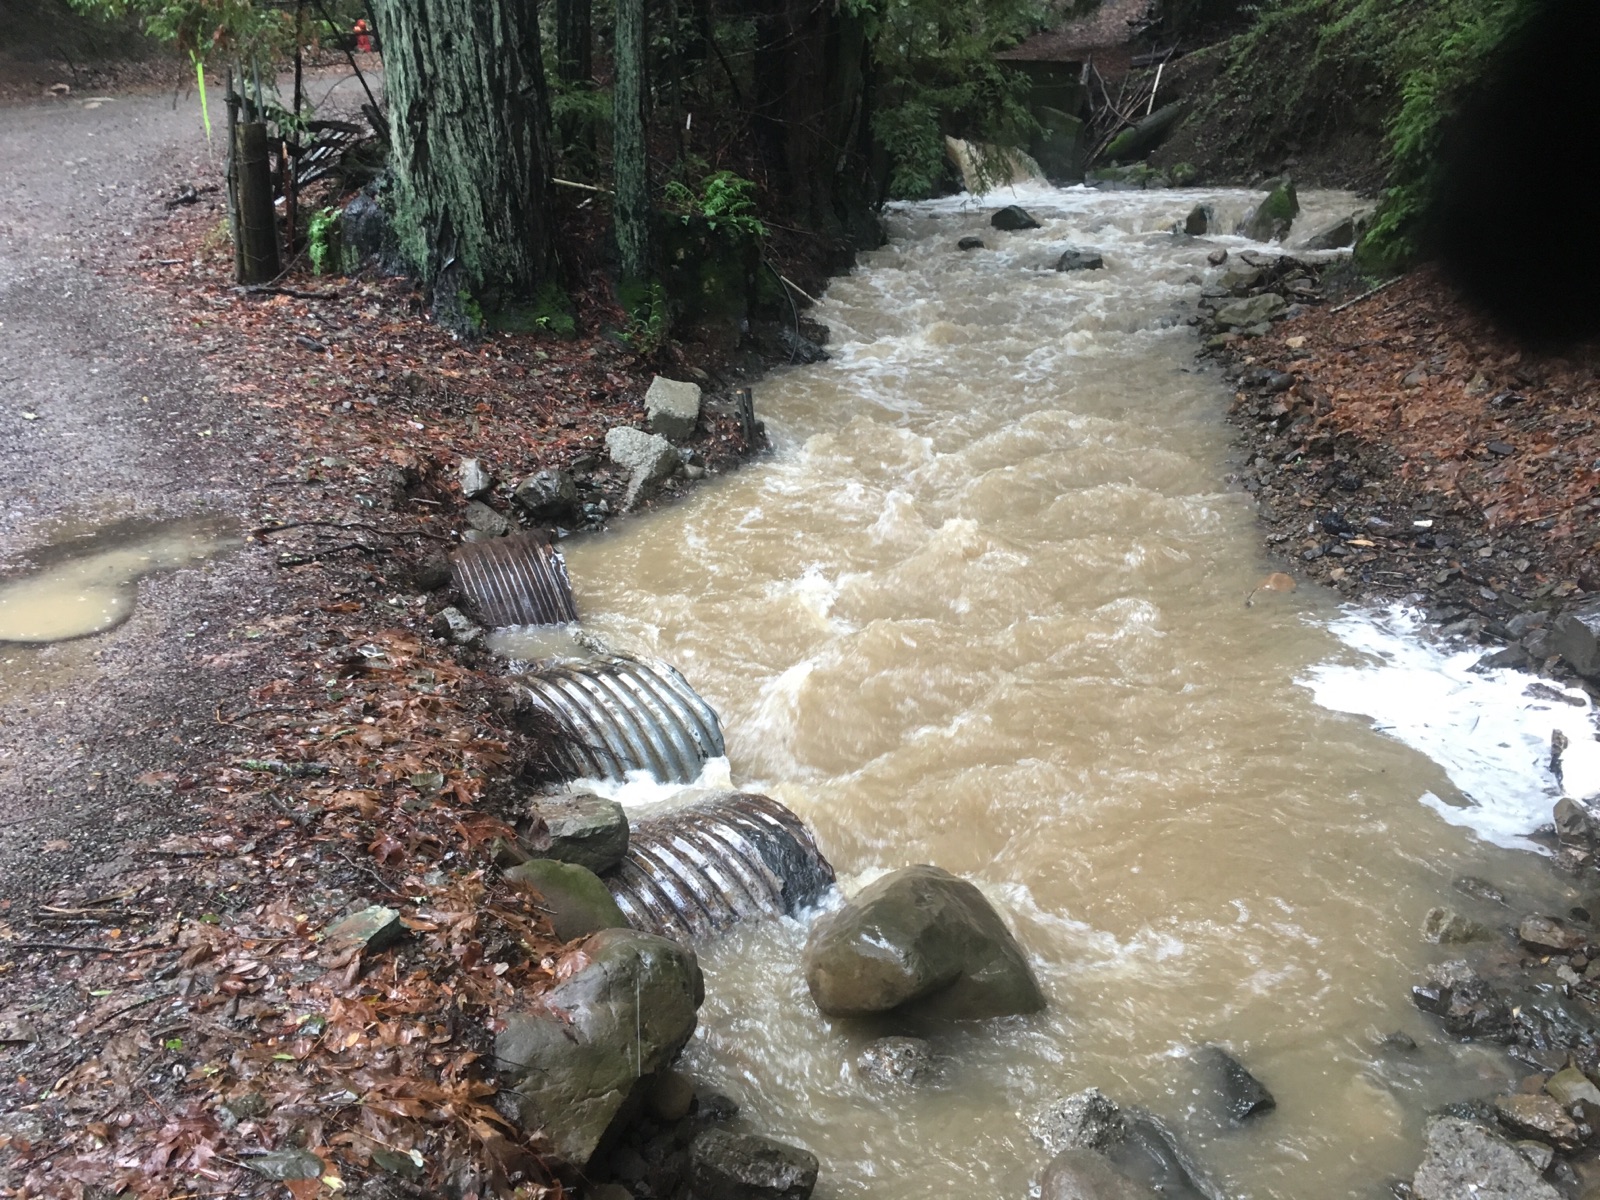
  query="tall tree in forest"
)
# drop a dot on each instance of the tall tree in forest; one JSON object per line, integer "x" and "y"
{"x": 574, "y": 40}
{"x": 630, "y": 164}
{"x": 469, "y": 121}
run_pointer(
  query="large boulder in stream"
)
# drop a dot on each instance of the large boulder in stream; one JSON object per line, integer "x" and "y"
{"x": 579, "y": 1061}
{"x": 1013, "y": 218}
{"x": 1270, "y": 220}
{"x": 575, "y": 899}
{"x": 919, "y": 942}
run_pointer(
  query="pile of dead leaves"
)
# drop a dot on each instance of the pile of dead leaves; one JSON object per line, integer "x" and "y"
{"x": 229, "y": 1047}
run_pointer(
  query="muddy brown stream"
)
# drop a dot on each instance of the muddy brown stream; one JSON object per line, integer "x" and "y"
{"x": 984, "y": 606}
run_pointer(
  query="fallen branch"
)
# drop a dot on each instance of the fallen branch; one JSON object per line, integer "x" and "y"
{"x": 68, "y": 947}
{"x": 1367, "y": 295}
{"x": 267, "y": 289}
{"x": 265, "y": 530}
{"x": 582, "y": 187}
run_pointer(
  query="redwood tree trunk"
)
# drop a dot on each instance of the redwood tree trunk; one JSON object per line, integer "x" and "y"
{"x": 469, "y": 123}
{"x": 574, "y": 40}
{"x": 631, "y": 167}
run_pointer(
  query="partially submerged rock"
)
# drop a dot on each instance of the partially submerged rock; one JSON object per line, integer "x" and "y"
{"x": 1446, "y": 927}
{"x": 896, "y": 1060}
{"x": 1539, "y": 1117}
{"x": 1270, "y": 220}
{"x": 1087, "y": 1120}
{"x": 1085, "y": 1175}
{"x": 1241, "y": 1094}
{"x": 971, "y": 242}
{"x": 1550, "y": 936}
{"x": 744, "y": 1166}
{"x": 1075, "y": 258}
{"x": 1467, "y": 1161}
{"x": 574, "y": 898}
{"x": 1013, "y": 218}
{"x": 919, "y": 941}
{"x": 672, "y": 407}
{"x": 1337, "y": 236}
{"x": 578, "y": 1063}
{"x": 1576, "y": 638}
{"x": 1198, "y": 222}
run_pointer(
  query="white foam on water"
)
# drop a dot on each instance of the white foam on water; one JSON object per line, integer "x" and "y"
{"x": 640, "y": 787}
{"x": 1484, "y": 728}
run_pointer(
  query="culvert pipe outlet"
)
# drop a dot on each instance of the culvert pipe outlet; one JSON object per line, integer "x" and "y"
{"x": 627, "y": 714}
{"x": 697, "y": 867}
{"x": 516, "y": 580}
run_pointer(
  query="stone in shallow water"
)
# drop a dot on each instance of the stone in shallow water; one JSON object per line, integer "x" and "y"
{"x": 971, "y": 242}
{"x": 743, "y": 1166}
{"x": 1446, "y": 927}
{"x": 590, "y": 831}
{"x": 1242, "y": 1095}
{"x": 1085, "y": 1175}
{"x": 901, "y": 1060}
{"x": 1075, "y": 258}
{"x": 1549, "y": 936}
{"x": 1088, "y": 1120}
{"x": 920, "y": 941}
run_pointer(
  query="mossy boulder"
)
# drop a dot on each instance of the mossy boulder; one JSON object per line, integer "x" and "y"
{"x": 919, "y": 942}
{"x": 575, "y": 899}
{"x": 1270, "y": 220}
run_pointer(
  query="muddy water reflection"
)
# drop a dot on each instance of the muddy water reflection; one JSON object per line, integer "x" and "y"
{"x": 90, "y": 585}
{"x": 984, "y": 608}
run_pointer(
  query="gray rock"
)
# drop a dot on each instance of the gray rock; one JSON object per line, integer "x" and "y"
{"x": 1539, "y": 1117}
{"x": 474, "y": 477}
{"x": 671, "y": 1097}
{"x": 1085, "y": 1175}
{"x": 918, "y": 940}
{"x": 1570, "y": 1085}
{"x": 373, "y": 928}
{"x": 1573, "y": 823}
{"x": 590, "y": 831}
{"x": 672, "y": 408}
{"x": 364, "y": 231}
{"x": 1088, "y": 1120}
{"x": 1217, "y": 257}
{"x": 1077, "y": 259}
{"x": 896, "y": 1060}
{"x": 1012, "y": 218}
{"x": 1242, "y": 1095}
{"x": 1549, "y": 936}
{"x": 575, "y": 1063}
{"x": 453, "y": 625}
{"x": 647, "y": 457}
{"x": 1467, "y": 1161}
{"x": 1337, "y": 236}
{"x": 1198, "y": 222}
{"x": 1240, "y": 278}
{"x": 1250, "y": 312}
{"x": 1576, "y": 637}
{"x": 432, "y": 573}
{"x": 743, "y": 1166}
{"x": 547, "y": 495}
{"x": 1446, "y": 927}
{"x": 971, "y": 242}
{"x": 1270, "y": 220}
{"x": 575, "y": 899}
{"x": 484, "y": 519}
{"x": 800, "y": 348}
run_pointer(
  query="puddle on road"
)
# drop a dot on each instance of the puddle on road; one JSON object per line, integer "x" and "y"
{"x": 90, "y": 584}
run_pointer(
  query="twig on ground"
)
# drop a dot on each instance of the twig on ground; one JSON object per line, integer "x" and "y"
{"x": 264, "y": 530}
{"x": 1366, "y": 295}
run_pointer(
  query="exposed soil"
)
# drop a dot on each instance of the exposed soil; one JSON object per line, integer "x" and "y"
{"x": 191, "y": 800}
{"x": 1402, "y": 449}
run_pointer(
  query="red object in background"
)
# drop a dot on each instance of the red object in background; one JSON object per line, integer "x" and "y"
{"x": 363, "y": 37}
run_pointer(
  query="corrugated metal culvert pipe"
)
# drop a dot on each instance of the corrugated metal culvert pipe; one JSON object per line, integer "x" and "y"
{"x": 696, "y": 867}
{"x": 516, "y": 580}
{"x": 627, "y": 714}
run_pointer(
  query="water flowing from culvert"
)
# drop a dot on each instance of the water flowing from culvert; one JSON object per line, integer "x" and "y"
{"x": 985, "y": 607}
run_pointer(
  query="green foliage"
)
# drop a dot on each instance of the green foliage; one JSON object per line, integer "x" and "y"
{"x": 1314, "y": 70}
{"x": 202, "y": 29}
{"x": 650, "y": 319}
{"x": 322, "y": 239}
{"x": 725, "y": 201}
{"x": 937, "y": 75}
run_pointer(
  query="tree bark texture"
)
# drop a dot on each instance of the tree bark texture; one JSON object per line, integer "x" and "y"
{"x": 574, "y": 40}
{"x": 469, "y": 123}
{"x": 631, "y": 166}
{"x": 256, "y": 250}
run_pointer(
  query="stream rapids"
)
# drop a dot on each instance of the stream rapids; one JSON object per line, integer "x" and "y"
{"x": 984, "y": 606}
